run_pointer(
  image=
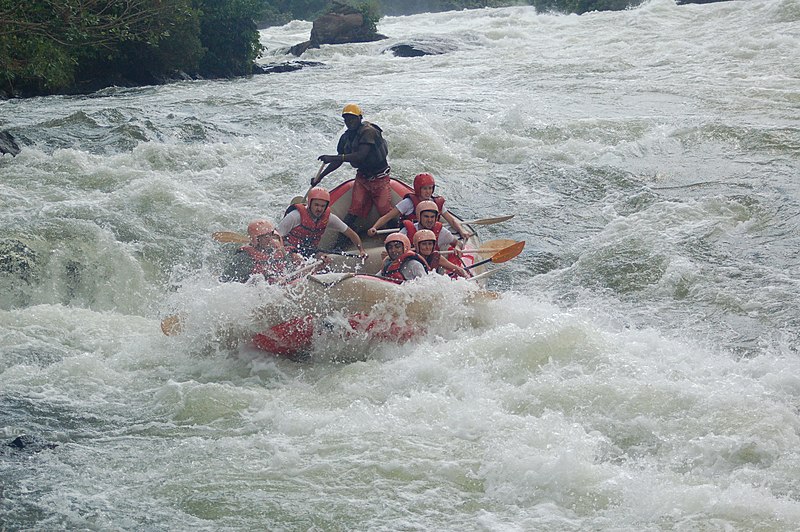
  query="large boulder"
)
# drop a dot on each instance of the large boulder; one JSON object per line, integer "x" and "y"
{"x": 343, "y": 24}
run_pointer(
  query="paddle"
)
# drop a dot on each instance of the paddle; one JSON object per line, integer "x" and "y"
{"x": 172, "y": 325}
{"x": 479, "y": 221}
{"x": 336, "y": 252}
{"x": 228, "y": 237}
{"x": 487, "y": 273}
{"x": 305, "y": 269}
{"x": 492, "y": 246}
{"x": 503, "y": 255}
{"x": 488, "y": 221}
{"x": 302, "y": 199}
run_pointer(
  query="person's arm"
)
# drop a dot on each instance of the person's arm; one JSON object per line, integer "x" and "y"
{"x": 289, "y": 222}
{"x": 449, "y": 266}
{"x": 455, "y": 224}
{"x": 413, "y": 269}
{"x": 333, "y": 162}
{"x": 447, "y": 239}
{"x": 372, "y": 231}
{"x": 355, "y": 239}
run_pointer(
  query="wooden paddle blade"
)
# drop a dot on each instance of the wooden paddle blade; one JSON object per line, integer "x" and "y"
{"x": 171, "y": 325}
{"x": 487, "y": 249}
{"x": 508, "y": 253}
{"x": 488, "y": 221}
{"x": 228, "y": 237}
{"x": 498, "y": 243}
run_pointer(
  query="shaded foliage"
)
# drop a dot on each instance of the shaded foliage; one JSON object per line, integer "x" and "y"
{"x": 52, "y": 46}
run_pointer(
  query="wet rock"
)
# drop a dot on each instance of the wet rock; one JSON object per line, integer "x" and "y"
{"x": 289, "y": 66}
{"x": 17, "y": 259}
{"x": 8, "y": 144}
{"x": 417, "y": 49}
{"x": 342, "y": 25}
{"x": 31, "y": 443}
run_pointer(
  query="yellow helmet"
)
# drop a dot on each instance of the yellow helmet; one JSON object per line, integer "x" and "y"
{"x": 352, "y": 109}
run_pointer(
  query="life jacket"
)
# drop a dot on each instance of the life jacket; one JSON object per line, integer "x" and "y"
{"x": 438, "y": 200}
{"x": 305, "y": 237}
{"x": 433, "y": 260}
{"x": 271, "y": 265}
{"x": 391, "y": 268}
{"x": 411, "y": 229}
{"x": 375, "y": 162}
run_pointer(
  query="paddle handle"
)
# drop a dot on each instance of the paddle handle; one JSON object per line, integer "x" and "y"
{"x": 387, "y": 231}
{"x": 479, "y": 263}
{"x": 316, "y": 180}
{"x": 486, "y": 273}
{"x": 305, "y": 269}
{"x": 342, "y": 253}
{"x": 469, "y": 251}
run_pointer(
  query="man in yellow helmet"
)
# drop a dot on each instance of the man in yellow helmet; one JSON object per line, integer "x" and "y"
{"x": 363, "y": 146}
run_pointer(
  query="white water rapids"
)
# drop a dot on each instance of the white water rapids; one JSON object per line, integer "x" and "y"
{"x": 640, "y": 371}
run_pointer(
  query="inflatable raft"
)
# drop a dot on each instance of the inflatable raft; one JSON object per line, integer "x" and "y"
{"x": 371, "y": 305}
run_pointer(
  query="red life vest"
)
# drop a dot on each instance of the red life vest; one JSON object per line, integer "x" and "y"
{"x": 411, "y": 229}
{"x": 307, "y": 235}
{"x": 433, "y": 260}
{"x": 271, "y": 265}
{"x": 391, "y": 268}
{"x": 438, "y": 200}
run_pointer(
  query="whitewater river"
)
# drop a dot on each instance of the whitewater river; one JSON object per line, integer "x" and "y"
{"x": 640, "y": 370}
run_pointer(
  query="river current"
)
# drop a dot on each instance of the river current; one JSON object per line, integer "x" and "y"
{"x": 640, "y": 370}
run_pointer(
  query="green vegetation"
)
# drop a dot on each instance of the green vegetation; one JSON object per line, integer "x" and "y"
{"x": 66, "y": 46}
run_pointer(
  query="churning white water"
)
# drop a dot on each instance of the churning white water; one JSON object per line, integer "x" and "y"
{"x": 639, "y": 372}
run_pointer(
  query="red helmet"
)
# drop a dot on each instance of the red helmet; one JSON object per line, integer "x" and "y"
{"x": 398, "y": 237}
{"x": 422, "y": 180}
{"x": 423, "y": 235}
{"x": 318, "y": 193}
{"x": 258, "y": 228}
{"x": 427, "y": 205}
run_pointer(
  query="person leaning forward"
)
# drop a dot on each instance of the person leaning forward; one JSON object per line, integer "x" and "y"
{"x": 264, "y": 255}
{"x": 302, "y": 227}
{"x": 364, "y": 147}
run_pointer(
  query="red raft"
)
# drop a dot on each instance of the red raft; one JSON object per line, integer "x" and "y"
{"x": 350, "y": 290}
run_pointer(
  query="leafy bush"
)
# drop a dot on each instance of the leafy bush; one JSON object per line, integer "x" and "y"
{"x": 229, "y": 34}
{"x": 52, "y": 46}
